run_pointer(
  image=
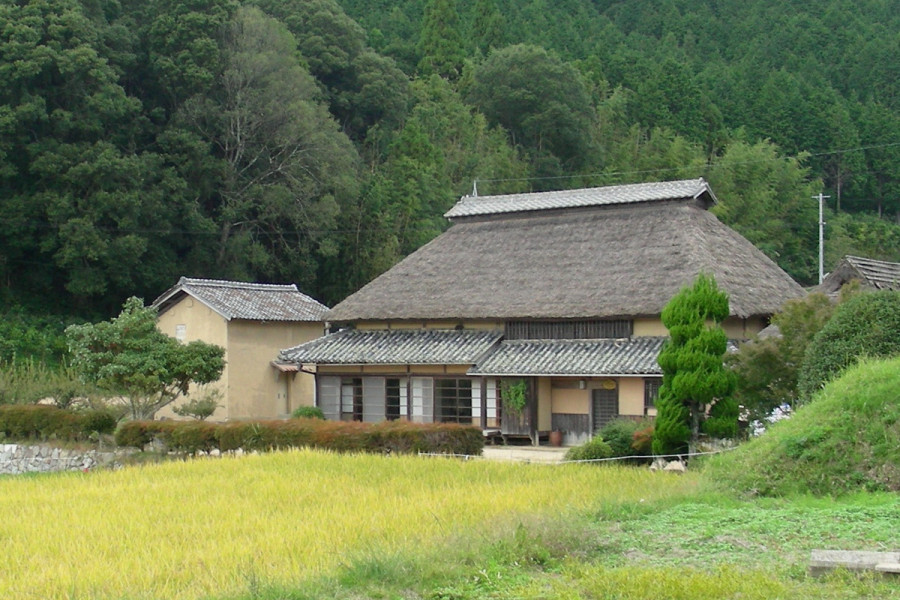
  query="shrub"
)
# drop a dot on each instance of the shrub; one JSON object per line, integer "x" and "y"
{"x": 767, "y": 369}
{"x": 200, "y": 408}
{"x": 593, "y": 449}
{"x": 42, "y": 422}
{"x": 620, "y": 435}
{"x": 868, "y": 324}
{"x": 847, "y": 439}
{"x": 100, "y": 421}
{"x": 642, "y": 442}
{"x": 137, "y": 434}
{"x": 192, "y": 437}
{"x": 308, "y": 412}
{"x": 386, "y": 437}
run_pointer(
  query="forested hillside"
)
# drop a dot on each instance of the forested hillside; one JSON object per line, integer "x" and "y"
{"x": 319, "y": 142}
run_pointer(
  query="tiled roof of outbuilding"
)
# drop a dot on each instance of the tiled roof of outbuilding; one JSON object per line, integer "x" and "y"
{"x": 394, "y": 347}
{"x": 248, "y": 301}
{"x": 875, "y": 274}
{"x": 636, "y": 356}
{"x": 470, "y": 206}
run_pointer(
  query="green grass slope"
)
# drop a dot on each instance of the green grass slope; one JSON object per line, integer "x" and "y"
{"x": 846, "y": 439}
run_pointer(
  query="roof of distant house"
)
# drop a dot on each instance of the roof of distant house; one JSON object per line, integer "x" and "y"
{"x": 247, "y": 301}
{"x": 620, "y": 258}
{"x": 876, "y": 274}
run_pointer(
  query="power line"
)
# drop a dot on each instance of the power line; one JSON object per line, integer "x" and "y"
{"x": 36, "y": 224}
{"x": 705, "y": 167}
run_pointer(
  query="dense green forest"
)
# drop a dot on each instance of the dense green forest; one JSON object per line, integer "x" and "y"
{"x": 318, "y": 142}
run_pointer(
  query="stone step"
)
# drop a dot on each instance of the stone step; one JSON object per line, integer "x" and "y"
{"x": 891, "y": 567}
{"x": 822, "y": 561}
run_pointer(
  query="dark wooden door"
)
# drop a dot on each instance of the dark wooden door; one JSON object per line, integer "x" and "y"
{"x": 604, "y": 406}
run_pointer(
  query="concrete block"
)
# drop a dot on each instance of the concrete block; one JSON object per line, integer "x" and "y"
{"x": 822, "y": 561}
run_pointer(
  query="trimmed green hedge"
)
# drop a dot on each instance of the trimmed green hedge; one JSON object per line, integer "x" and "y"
{"x": 340, "y": 436}
{"x": 37, "y": 421}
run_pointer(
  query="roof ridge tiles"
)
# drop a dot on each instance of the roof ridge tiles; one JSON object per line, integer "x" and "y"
{"x": 241, "y": 300}
{"x": 470, "y": 206}
{"x": 248, "y": 285}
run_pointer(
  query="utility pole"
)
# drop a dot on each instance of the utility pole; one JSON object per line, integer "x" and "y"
{"x": 821, "y": 200}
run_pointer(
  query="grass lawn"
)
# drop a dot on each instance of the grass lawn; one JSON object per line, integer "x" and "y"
{"x": 313, "y": 525}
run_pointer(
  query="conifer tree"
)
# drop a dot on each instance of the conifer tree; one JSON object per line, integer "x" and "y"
{"x": 440, "y": 44}
{"x": 488, "y": 28}
{"x": 696, "y": 389}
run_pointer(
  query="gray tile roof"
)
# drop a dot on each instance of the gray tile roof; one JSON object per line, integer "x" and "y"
{"x": 249, "y": 301}
{"x": 879, "y": 274}
{"x": 470, "y": 206}
{"x": 636, "y": 356}
{"x": 394, "y": 347}
{"x": 871, "y": 273}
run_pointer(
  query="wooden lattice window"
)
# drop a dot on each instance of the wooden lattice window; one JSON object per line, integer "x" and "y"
{"x": 453, "y": 400}
{"x": 392, "y": 399}
{"x": 569, "y": 330}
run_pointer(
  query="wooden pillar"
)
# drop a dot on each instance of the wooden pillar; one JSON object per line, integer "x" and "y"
{"x": 484, "y": 403}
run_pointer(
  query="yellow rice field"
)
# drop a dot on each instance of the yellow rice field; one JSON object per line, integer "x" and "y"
{"x": 209, "y": 527}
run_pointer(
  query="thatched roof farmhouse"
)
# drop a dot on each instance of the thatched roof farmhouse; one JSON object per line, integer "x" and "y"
{"x": 570, "y": 284}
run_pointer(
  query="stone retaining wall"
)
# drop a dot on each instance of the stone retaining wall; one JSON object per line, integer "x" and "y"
{"x": 17, "y": 458}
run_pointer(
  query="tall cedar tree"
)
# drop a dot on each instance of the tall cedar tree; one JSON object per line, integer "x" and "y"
{"x": 696, "y": 389}
{"x": 441, "y": 44}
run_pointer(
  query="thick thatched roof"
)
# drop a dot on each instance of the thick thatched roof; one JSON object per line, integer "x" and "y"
{"x": 874, "y": 274}
{"x": 604, "y": 261}
{"x": 250, "y": 301}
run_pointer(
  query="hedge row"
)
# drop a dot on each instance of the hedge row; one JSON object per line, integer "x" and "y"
{"x": 42, "y": 422}
{"x": 385, "y": 437}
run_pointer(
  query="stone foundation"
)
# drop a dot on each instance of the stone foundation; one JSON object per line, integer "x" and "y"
{"x": 16, "y": 459}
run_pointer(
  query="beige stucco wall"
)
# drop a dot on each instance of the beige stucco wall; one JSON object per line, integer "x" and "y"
{"x": 566, "y": 397}
{"x": 631, "y": 396}
{"x": 545, "y": 403}
{"x": 200, "y": 323}
{"x": 735, "y": 327}
{"x": 571, "y": 400}
{"x": 649, "y": 327}
{"x": 250, "y": 387}
{"x": 742, "y": 329}
{"x": 256, "y": 390}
